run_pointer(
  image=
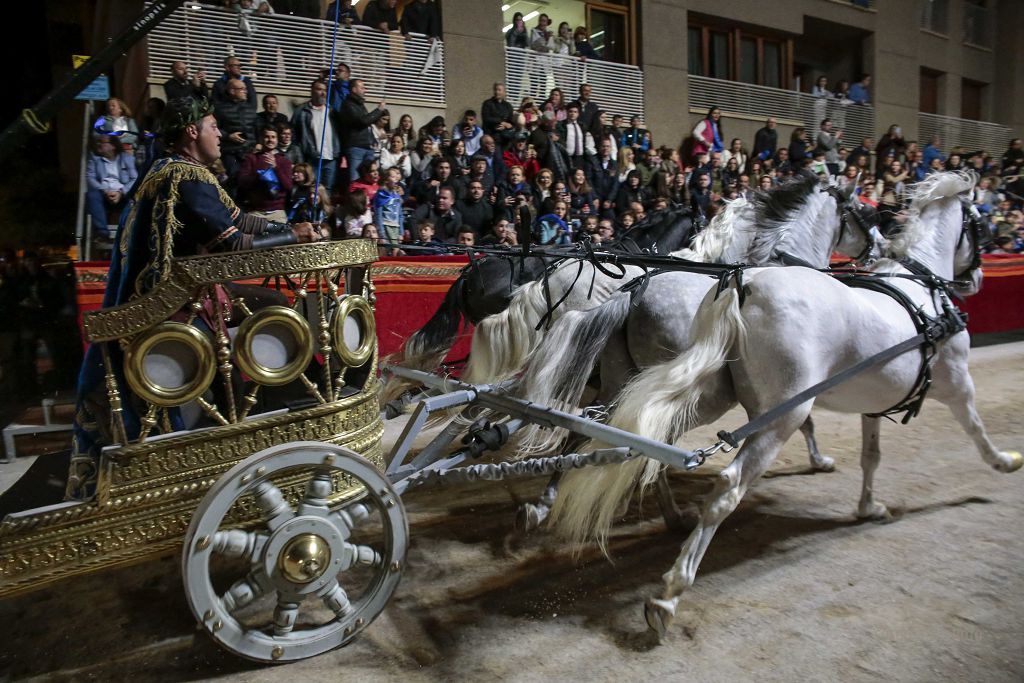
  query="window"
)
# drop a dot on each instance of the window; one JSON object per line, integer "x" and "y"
{"x": 735, "y": 54}
{"x": 929, "y": 103}
{"x": 935, "y": 15}
{"x": 971, "y": 97}
{"x": 976, "y": 23}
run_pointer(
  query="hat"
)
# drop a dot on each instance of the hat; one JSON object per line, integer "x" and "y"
{"x": 522, "y": 135}
{"x": 182, "y": 112}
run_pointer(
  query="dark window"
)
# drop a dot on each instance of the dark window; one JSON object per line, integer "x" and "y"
{"x": 748, "y": 60}
{"x": 971, "y": 94}
{"x": 738, "y": 55}
{"x": 695, "y": 50}
{"x": 929, "y": 103}
{"x": 772, "y": 64}
{"x": 719, "y": 54}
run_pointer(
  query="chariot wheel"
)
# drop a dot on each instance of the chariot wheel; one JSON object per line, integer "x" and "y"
{"x": 305, "y": 578}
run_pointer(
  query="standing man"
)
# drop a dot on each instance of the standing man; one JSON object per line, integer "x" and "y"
{"x": 236, "y": 118}
{"x": 497, "y": 114}
{"x": 588, "y": 108}
{"x": 766, "y": 140}
{"x": 356, "y": 136}
{"x": 570, "y": 133}
{"x": 604, "y": 177}
{"x": 341, "y": 87}
{"x": 265, "y": 179}
{"x": 381, "y": 15}
{"x": 233, "y": 71}
{"x": 180, "y": 85}
{"x": 270, "y": 117}
{"x": 311, "y": 123}
{"x": 859, "y": 92}
{"x": 827, "y": 142}
{"x": 421, "y": 16}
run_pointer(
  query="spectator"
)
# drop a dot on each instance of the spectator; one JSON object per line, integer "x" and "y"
{"x": 827, "y": 142}
{"x": 737, "y": 152}
{"x": 892, "y": 140}
{"x": 497, "y": 114}
{"x": 233, "y": 71}
{"x": 634, "y": 137}
{"x": 517, "y": 35}
{"x": 502, "y": 233}
{"x": 529, "y": 113}
{"x": 932, "y": 152}
{"x": 781, "y": 163}
{"x": 422, "y": 159}
{"x": 265, "y": 179}
{"x": 441, "y": 214}
{"x": 474, "y": 208}
{"x": 542, "y": 189}
{"x": 356, "y": 136}
{"x": 285, "y": 143}
{"x": 495, "y": 164}
{"x": 441, "y": 176}
{"x": 861, "y": 156}
{"x": 625, "y": 163}
{"x": 564, "y": 44}
{"x": 556, "y": 104}
{"x": 629, "y": 192}
{"x": 604, "y": 177}
{"x": 427, "y": 240}
{"x": 650, "y": 163}
{"x": 381, "y": 132}
{"x": 478, "y": 171}
{"x": 118, "y": 124}
{"x": 842, "y": 92}
{"x": 151, "y": 116}
{"x": 422, "y": 16}
{"x": 236, "y": 118}
{"x": 798, "y": 148}
{"x": 512, "y": 193}
{"x": 731, "y": 173}
{"x": 582, "y": 45}
{"x": 354, "y": 215}
{"x": 270, "y": 117}
{"x": 766, "y": 140}
{"x": 600, "y": 131}
{"x": 395, "y": 156}
{"x": 570, "y": 133}
{"x": 859, "y": 92}
{"x": 304, "y": 204}
{"x": 701, "y": 197}
{"x": 387, "y": 206}
{"x": 381, "y": 15}
{"x": 469, "y": 131}
{"x": 522, "y": 156}
{"x": 582, "y": 199}
{"x": 707, "y": 134}
{"x": 820, "y": 88}
{"x": 407, "y": 131}
{"x": 109, "y": 175}
{"x": 466, "y": 237}
{"x": 341, "y": 86}
{"x": 345, "y": 12}
{"x": 553, "y": 228}
{"x": 436, "y": 131}
{"x": 588, "y": 108}
{"x": 309, "y": 9}
{"x": 180, "y": 85}
{"x": 368, "y": 178}
{"x": 312, "y": 123}
{"x": 1012, "y": 167}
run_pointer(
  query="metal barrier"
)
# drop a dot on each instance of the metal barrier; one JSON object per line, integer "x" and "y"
{"x": 857, "y": 121}
{"x": 283, "y": 54}
{"x": 973, "y": 135}
{"x": 617, "y": 88}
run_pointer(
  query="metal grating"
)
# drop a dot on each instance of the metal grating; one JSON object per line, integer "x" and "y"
{"x": 617, "y": 88}
{"x": 283, "y": 53}
{"x": 856, "y": 120}
{"x": 971, "y": 135}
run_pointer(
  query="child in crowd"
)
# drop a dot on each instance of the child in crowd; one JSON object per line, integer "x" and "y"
{"x": 387, "y": 206}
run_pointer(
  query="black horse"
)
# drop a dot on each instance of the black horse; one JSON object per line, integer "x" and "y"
{"x": 487, "y": 284}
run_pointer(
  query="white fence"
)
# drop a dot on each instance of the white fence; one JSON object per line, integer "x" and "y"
{"x": 856, "y": 120}
{"x": 617, "y": 88}
{"x": 283, "y": 54}
{"x": 972, "y": 135}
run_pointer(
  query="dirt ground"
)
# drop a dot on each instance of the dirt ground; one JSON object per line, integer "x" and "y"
{"x": 793, "y": 587}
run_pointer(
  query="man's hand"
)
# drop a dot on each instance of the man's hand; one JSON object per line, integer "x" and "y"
{"x": 305, "y": 232}
{"x": 201, "y": 76}
{"x": 268, "y": 157}
{"x": 237, "y": 137}
{"x": 382, "y": 105}
{"x": 504, "y": 125}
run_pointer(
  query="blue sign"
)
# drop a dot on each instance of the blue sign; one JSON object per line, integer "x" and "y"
{"x": 97, "y": 90}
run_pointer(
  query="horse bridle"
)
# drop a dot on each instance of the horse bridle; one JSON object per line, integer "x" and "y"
{"x": 973, "y": 228}
{"x": 847, "y": 211}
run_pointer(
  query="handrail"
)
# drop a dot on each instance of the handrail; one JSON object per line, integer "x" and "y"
{"x": 282, "y": 54}
{"x": 994, "y": 138}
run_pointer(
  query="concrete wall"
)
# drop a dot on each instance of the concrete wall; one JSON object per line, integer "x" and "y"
{"x": 474, "y": 53}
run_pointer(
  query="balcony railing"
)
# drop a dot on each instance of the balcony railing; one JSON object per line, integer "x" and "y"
{"x": 972, "y": 135}
{"x": 857, "y": 121}
{"x": 617, "y": 88}
{"x": 283, "y": 54}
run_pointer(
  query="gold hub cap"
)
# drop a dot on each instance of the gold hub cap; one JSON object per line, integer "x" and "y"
{"x": 305, "y": 558}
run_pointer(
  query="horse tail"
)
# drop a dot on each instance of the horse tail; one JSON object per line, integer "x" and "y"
{"x": 660, "y": 403}
{"x": 503, "y": 342}
{"x": 428, "y": 346}
{"x": 556, "y": 374}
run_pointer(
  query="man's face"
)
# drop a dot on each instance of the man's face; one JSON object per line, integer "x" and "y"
{"x": 270, "y": 104}
{"x": 771, "y": 123}
{"x": 606, "y": 148}
{"x": 208, "y": 140}
{"x": 444, "y": 200}
{"x": 573, "y": 113}
{"x": 652, "y": 158}
{"x": 867, "y": 81}
{"x": 269, "y": 140}
{"x": 179, "y": 70}
{"x": 499, "y": 92}
{"x": 470, "y": 122}
{"x": 466, "y": 239}
{"x": 358, "y": 88}
{"x": 744, "y": 182}
{"x": 703, "y": 181}
{"x": 444, "y": 171}
{"x": 515, "y": 175}
{"x": 343, "y": 72}
{"x": 104, "y": 147}
{"x": 318, "y": 94}
{"x": 783, "y": 154}
{"x": 479, "y": 167}
{"x": 487, "y": 143}
{"x": 234, "y": 68}
{"x": 716, "y": 159}
{"x": 584, "y": 92}
{"x": 286, "y": 137}
{"x": 237, "y": 91}
{"x": 827, "y": 126}
{"x": 476, "y": 191}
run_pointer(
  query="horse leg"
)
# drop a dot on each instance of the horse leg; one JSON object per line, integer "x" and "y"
{"x": 819, "y": 462}
{"x": 870, "y": 453}
{"x": 754, "y": 457}
{"x": 955, "y": 388}
{"x": 667, "y": 504}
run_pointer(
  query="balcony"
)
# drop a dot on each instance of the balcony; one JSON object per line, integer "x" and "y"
{"x": 759, "y": 102}
{"x": 282, "y": 54}
{"x": 971, "y": 135}
{"x": 617, "y": 88}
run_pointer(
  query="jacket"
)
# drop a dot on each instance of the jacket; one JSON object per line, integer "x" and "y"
{"x": 236, "y": 117}
{"x": 304, "y": 138}
{"x": 126, "y": 173}
{"x": 356, "y": 121}
{"x": 254, "y": 191}
{"x": 421, "y": 17}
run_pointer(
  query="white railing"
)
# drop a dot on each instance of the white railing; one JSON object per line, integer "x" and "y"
{"x": 972, "y": 135}
{"x": 283, "y": 54}
{"x": 857, "y": 121}
{"x": 616, "y": 88}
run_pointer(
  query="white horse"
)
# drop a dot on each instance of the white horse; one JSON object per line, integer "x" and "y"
{"x": 797, "y": 223}
{"x": 796, "y": 328}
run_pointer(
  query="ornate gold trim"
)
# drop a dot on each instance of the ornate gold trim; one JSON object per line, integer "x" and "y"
{"x": 167, "y": 397}
{"x": 360, "y": 308}
{"x": 293, "y": 323}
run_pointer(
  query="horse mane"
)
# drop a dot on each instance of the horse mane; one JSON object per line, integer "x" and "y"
{"x": 715, "y": 238}
{"x": 933, "y": 188}
{"x": 775, "y": 210}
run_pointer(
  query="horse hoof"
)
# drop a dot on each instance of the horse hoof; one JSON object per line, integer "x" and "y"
{"x": 529, "y": 517}
{"x": 826, "y": 464}
{"x": 876, "y": 512}
{"x": 658, "y": 614}
{"x": 1015, "y": 461}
